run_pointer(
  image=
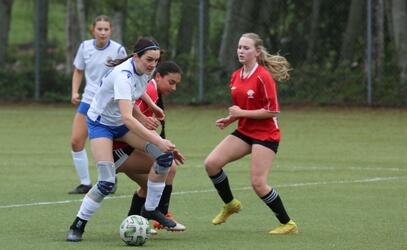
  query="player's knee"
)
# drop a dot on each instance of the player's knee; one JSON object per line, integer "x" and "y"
{"x": 165, "y": 160}
{"x": 77, "y": 144}
{"x": 105, "y": 187}
{"x": 106, "y": 180}
{"x": 211, "y": 166}
{"x": 258, "y": 185}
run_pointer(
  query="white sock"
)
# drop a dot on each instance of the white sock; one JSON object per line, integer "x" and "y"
{"x": 88, "y": 208}
{"x": 80, "y": 160}
{"x": 154, "y": 192}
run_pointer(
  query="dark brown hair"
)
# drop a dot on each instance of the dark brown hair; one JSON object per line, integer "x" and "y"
{"x": 143, "y": 45}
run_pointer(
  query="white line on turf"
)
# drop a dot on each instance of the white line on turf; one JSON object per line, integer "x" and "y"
{"x": 371, "y": 179}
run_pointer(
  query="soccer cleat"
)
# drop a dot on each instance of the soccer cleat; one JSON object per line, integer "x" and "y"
{"x": 289, "y": 228}
{"x": 166, "y": 223}
{"x": 157, "y": 225}
{"x": 74, "y": 235}
{"x": 228, "y": 209}
{"x": 153, "y": 232}
{"x": 81, "y": 189}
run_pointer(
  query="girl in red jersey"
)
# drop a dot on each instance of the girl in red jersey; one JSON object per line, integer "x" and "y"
{"x": 136, "y": 164}
{"x": 256, "y": 108}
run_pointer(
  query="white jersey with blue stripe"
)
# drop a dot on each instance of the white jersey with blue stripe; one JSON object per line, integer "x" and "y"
{"x": 92, "y": 61}
{"x": 121, "y": 83}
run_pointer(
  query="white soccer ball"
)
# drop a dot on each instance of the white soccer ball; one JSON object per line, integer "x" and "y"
{"x": 135, "y": 230}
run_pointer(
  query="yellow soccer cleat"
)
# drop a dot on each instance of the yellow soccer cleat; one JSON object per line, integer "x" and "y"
{"x": 289, "y": 228}
{"x": 227, "y": 210}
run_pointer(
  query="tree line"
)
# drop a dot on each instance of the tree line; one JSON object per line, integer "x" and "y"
{"x": 325, "y": 41}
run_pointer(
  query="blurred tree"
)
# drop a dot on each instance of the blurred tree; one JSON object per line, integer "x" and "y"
{"x": 81, "y": 16}
{"x": 162, "y": 23}
{"x": 5, "y": 16}
{"x": 353, "y": 29}
{"x": 72, "y": 34}
{"x": 399, "y": 16}
{"x": 185, "y": 35}
{"x": 118, "y": 18}
{"x": 378, "y": 36}
{"x": 239, "y": 20}
{"x": 313, "y": 37}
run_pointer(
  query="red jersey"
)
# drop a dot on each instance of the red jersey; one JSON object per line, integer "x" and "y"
{"x": 257, "y": 91}
{"x": 152, "y": 91}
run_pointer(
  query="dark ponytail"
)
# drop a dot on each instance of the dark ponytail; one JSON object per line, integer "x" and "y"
{"x": 143, "y": 45}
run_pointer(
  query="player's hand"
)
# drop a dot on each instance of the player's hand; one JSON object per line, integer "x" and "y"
{"x": 151, "y": 123}
{"x": 166, "y": 145}
{"x": 159, "y": 113}
{"x": 75, "y": 98}
{"x": 178, "y": 157}
{"x": 235, "y": 111}
{"x": 224, "y": 122}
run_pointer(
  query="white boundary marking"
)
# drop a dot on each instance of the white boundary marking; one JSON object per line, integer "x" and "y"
{"x": 371, "y": 179}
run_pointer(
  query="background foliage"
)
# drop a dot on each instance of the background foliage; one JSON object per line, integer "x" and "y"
{"x": 328, "y": 58}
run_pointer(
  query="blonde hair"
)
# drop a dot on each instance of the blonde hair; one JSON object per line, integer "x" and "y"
{"x": 276, "y": 64}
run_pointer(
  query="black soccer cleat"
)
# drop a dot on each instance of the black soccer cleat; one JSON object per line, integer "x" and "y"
{"x": 167, "y": 223}
{"x": 81, "y": 189}
{"x": 74, "y": 235}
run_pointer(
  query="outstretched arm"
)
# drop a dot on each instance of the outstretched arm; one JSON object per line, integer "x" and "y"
{"x": 159, "y": 113}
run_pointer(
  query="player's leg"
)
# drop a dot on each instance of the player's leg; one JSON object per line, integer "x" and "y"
{"x": 228, "y": 150}
{"x": 164, "y": 204}
{"x": 137, "y": 166}
{"x": 156, "y": 180}
{"x": 79, "y": 155}
{"x": 102, "y": 153}
{"x": 262, "y": 158}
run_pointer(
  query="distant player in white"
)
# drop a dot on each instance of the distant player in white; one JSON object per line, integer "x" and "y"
{"x": 90, "y": 60}
{"x": 110, "y": 117}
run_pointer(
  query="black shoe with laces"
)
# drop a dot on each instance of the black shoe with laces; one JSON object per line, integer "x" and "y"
{"x": 74, "y": 235}
{"x": 76, "y": 230}
{"x": 81, "y": 189}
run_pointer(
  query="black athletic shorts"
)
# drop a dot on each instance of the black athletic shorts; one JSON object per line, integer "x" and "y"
{"x": 273, "y": 145}
{"x": 119, "y": 153}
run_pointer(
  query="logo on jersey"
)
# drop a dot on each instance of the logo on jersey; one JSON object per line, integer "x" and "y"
{"x": 128, "y": 75}
{"x": 250, "y": 94}
{"x": 233, "y": 88}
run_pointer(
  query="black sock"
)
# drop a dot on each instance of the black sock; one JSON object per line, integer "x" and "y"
{"x": 165, "y": 199}
{"x": 221, "y": 183}
{"x": 79, "y": 224}
{"x": 136, "y": 204}
{"x": 274, "y": 202}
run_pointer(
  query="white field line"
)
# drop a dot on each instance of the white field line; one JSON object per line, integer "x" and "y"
{"x": 312, "y": 168}
{"x": 371, "y": 179}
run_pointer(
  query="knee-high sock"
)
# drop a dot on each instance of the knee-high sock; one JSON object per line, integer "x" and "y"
{"x": 80, "y": 160}
{"x": 154, "y": 192}
{"x": 136, "y": 204}
{"x": 274, "y": 202}
{"x": 221, "y": 183}
{"x": 165, "y": 199}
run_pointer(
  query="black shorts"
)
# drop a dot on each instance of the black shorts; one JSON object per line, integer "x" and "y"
{"x": 119, "y": 153}
{"x": 273, "y": 145}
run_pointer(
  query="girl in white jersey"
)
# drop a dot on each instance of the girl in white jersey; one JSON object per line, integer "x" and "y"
{"x": 110, "y": 118}
{"x": 90, "y": 60}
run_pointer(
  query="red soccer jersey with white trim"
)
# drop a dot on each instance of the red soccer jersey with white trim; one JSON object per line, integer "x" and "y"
{"x": 152, "y": 91}
{"x": 258, "y": 91}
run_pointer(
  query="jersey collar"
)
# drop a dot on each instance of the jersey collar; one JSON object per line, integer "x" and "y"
{"x": 251, "y": 72}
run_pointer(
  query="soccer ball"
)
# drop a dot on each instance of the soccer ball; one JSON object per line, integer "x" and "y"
{"x": 135, "y": 230}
